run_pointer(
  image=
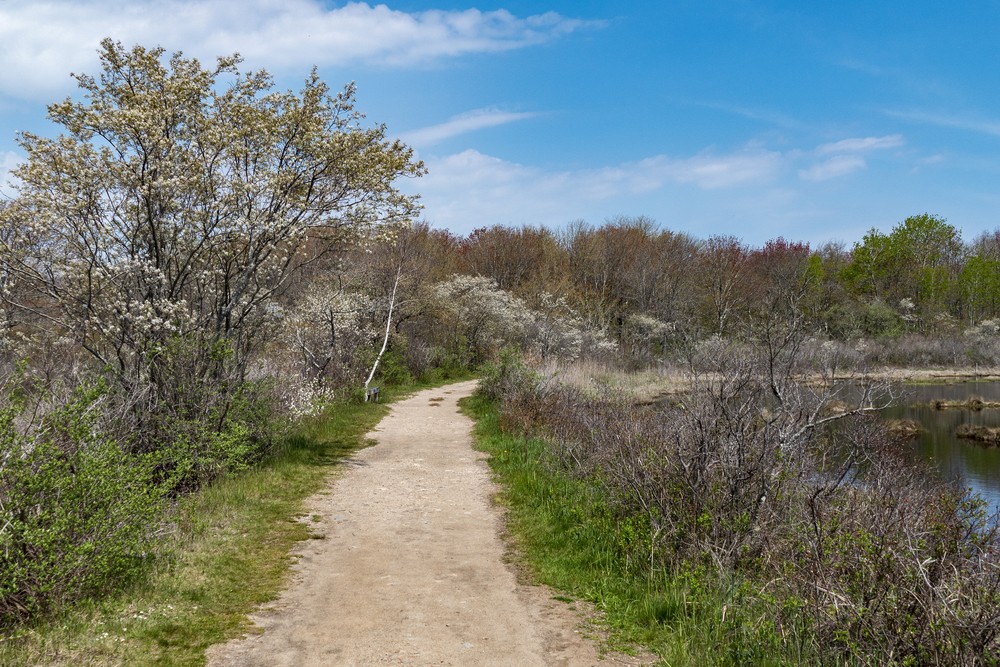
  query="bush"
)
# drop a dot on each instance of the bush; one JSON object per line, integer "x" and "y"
{"x": 231, "y": 438}
{"x": 879, "y": 320}
{"x": 392, "y": 368}
{"x": 77, "y": 512}
{"x": 854, "y": 552}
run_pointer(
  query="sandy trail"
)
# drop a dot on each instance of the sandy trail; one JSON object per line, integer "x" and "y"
{"x": 411, "y": 569}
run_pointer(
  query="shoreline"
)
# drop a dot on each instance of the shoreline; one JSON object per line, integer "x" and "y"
{"x": 925, "y": 375}
{"x": 653, "y": 385}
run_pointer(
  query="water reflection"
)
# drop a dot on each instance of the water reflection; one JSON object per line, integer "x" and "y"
{"x": 969, "y": 463}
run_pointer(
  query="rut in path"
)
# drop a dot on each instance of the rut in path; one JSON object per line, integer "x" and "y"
{"x": 411, "y": 570}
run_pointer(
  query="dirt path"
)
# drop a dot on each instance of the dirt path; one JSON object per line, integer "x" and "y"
{"x": 411, "y": 569}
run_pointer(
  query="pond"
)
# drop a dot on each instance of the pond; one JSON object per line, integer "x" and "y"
{"x": 971, "y": 464}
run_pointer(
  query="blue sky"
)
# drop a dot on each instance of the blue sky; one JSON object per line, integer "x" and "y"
{"x": 813, "y": 121}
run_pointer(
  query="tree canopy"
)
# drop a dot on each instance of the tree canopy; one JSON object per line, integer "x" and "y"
{"x": 179, "y": 200}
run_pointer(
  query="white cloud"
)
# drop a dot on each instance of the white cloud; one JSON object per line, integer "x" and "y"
{"x": 839, "y": 165}
{"x": 846, "y": 156}
{"x": 461, "y": 124}
{"x": 470, "y": 188}
{"x": 45, "y": 40}
{"x": 710, "y": 171}
{"x": 862, "y": 144}
{"x": 750, "y": 191}
{"x": 977, "y": 125}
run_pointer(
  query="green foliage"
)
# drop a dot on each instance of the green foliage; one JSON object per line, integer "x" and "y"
{"x": 78, "y": 513}
{"x": 872, "y": 263}
{"x": 918, "y": 260}
{"x": 227, "y": 555}
{"x": 392, "y": 369}
{"x": 979, "y": 283}
{"x": 506, "y": 375}
{"x": 80, "y": 506}
{"x": 878, "y": 320}
{"x": 840, "y": 321}
{"x": 233, "y": 437}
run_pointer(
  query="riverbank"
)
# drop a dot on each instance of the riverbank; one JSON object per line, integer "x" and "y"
{"x": 651, "y": 385}
{"x": 925, "y": 375}
{"x": 775, "y": 549}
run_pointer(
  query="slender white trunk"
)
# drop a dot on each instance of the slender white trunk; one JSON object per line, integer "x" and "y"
{"x": 388, "y": 327}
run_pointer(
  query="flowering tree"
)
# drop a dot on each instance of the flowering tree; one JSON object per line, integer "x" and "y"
{"x": 481, "y": 317}
{"x": 179, "y": 202}
{"x": 328, "y": 325}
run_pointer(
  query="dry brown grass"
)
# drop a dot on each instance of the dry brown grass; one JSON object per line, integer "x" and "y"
{"x": 596, "y": 378}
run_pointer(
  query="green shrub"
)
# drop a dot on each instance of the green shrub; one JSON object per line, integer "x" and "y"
{"x": 392, "y": 369}
{"x": 77, "y": 513}
{"x": 879, "y": 320}
{"x": 231, "y": 438}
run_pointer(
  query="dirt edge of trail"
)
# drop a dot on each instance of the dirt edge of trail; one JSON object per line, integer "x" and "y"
{"x": 409, "y": 566}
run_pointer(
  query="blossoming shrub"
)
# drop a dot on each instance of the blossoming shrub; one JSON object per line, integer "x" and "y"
{"x": 481, "y": 319}
{"x": 77, "y": 512}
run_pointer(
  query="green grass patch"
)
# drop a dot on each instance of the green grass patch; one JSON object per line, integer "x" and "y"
{"x": 225, "y": 552}
{"x": 567, "y": 537}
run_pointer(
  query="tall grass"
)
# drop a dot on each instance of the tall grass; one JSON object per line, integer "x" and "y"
{"x": 598, "y": 377}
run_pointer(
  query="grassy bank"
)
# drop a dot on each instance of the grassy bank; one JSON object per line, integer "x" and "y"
{"x": 567, "y": 537}
{"x": 227, "y": 552}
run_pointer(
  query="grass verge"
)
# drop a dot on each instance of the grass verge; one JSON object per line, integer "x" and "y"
{"x": 228, "y": 553}
{"x": 568, "y": 537}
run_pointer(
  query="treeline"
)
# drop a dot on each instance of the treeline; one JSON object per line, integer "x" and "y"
{"x": 646, "y": 289}
{"x": 920, "y": 277}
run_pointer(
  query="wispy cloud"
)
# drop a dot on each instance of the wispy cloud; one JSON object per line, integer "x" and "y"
{"x": 461, "y": 190}
{"x": 767, "y": 116}
{"x": 869, "y": 68}
{"x": 978, "y": 125}
{"x": 45, "y": 40}
{"x": 462, "y": 124}
{"x": 838, "y": 165}
{"x": 710, "y": 171}
{"x": 470, "y": 188}
{"x": 862, "y": 144}
{"x": 918, "y": 81}
{"x": 846, "y": 156}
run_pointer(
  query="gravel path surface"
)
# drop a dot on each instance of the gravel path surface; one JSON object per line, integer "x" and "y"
{"x": 410, "y": 570}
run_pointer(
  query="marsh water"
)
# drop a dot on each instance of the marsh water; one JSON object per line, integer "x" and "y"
{"x": 974, "y": 466}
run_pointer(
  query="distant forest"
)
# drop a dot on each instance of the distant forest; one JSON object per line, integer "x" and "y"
{"x": 646, "y": 288}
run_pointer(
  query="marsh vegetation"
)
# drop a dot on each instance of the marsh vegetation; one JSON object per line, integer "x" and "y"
{"x": 835, "y": 544}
